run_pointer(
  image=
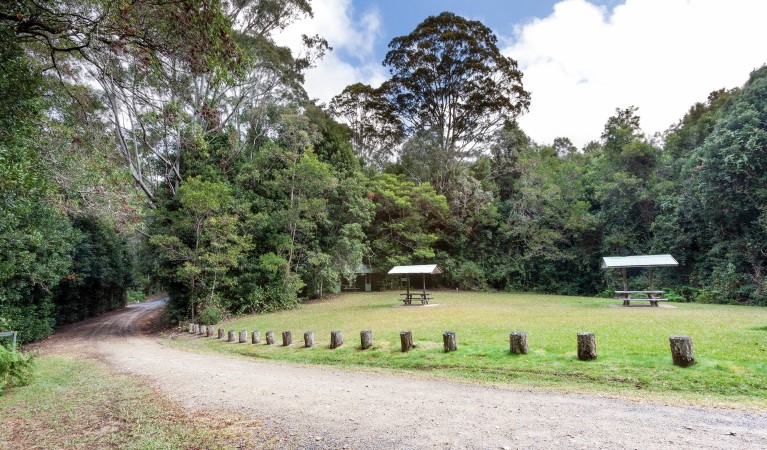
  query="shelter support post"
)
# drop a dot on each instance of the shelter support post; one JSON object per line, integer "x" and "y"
{"x": 625, "y": 280}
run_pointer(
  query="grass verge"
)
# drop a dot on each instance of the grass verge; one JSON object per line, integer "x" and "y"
{"x": 75, "y": 403}
{"x": 634, "y": 357}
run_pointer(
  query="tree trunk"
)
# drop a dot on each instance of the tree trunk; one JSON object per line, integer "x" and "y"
{"x": 336, "y": 339}
{"x": 287, "y": 338}
{"x": 681, "y": 351}
{"x": 587, "y": 346}
{"x": 270, "y": 338}
{"x": 366, "y": 338}
{"x": 406, "y": 339}
{"x": 256, "y": 337}
{"x": 309, "y": 339}
{"x": 221, "y": 333}
{"x": 232, "y": 336}
{"x": 243, "y": 337}
{"x": 450, "y": 341}
{"x": 518, "y": 343}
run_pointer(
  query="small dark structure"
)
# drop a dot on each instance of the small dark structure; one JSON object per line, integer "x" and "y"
{"x": 423, "y": 296}
{"x": 641, "y": 261}
{"x": 366, "y": 279}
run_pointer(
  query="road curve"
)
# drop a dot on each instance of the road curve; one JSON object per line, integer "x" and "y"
{"x": 319, "y": 407}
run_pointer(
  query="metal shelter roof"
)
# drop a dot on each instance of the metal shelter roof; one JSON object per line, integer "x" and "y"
{"x": 426, "y": 268}
{"x": 613, "y": 262}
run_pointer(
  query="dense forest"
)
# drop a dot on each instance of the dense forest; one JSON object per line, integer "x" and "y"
{"x": 151, "y": 145}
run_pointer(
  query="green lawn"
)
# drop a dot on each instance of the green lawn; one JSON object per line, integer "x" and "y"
{"x": 634, "y": 357}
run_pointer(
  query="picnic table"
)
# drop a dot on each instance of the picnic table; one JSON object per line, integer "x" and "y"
{"x": 652, "y": 296}
{"x": 423, "y": 296}
{"x": 351, "y": 288}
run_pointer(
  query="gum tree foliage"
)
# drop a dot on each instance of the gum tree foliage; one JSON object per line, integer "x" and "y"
{"x": 374, "y": 127}
{"x": 450, "y": 79}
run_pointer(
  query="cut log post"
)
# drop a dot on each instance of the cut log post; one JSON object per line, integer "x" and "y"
{"x": 270, "y": 338}
{"x": 406, "y": 339}
{"x": 221, "y": 333}
{"x": 518, "y": 343}
{"x": 191, "y": 328}
{"x": 287, "y": 338}
{"x": 232, "y": 336}
{"x": 336, "y": 339}
{"x": 309, "y": 339}
{"x": 209, "y": 331}
{"x": 195, "y": 329}
{"x": 256, "y": 337}
{"x": 366, "y": 339}
{"x": 450, "y": 340}
{"x": 681, "y": 351}
{"x": 202, "y": 330}
{"x": 243, "y": 337}
{"x": 587, "y": 346}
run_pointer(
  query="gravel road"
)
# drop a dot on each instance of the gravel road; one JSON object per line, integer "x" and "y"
{"x": 318, "y": 407}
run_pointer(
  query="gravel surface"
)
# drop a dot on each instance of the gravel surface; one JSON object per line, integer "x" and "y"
{"x": 319, "y": 407}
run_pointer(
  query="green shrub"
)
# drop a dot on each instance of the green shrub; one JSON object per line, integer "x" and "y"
{"x": 210, "y": 316}
{"x": 15, "y": 368}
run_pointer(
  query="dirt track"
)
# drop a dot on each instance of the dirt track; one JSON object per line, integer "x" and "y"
{"x": 315, "y": 407}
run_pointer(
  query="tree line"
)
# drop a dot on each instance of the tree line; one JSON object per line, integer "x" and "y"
{"x": 171, "y": 145}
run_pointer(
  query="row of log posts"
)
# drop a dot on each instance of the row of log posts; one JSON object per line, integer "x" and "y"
{"x": 682, "y": 352}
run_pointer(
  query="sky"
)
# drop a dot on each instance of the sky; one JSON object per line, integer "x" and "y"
{"x": 581, "y": 59}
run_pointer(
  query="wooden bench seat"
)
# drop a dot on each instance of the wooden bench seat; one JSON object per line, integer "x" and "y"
{"x": 653, "y": 301}
{"x": 650, "y": 296}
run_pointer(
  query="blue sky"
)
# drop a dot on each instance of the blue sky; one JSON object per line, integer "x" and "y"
{"x": 581, "y": 59}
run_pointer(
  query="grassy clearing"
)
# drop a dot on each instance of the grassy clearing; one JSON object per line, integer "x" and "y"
{"x": 634, "y": 357}
{"x": 76, "y": 403}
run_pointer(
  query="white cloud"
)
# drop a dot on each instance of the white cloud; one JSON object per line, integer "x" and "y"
{"x": 583, "y": 61}
{"x": 352, "y": 39}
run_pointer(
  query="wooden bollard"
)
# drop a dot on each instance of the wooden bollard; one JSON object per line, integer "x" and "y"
{"x": 287, "y": 338}
{"x": 195, "y": 329}
{"x": 681, "y": 351}
{"x": 406, "y": 339}
{"x": 366, "y": 339}
{"x": 450, "y": 341}
{"x": 336, "y": 339}
{"x": 221, "y": 333}
{"x": 209, "y": 331}
{"x": 256, "y": 337}
{"x": 191, "y": 328}
{"x": 587, "y": 346}
{"x": 243, "y": 337}
{"x": 203, "y": 329}
{"x": 518, "y": 343}
{"x": 309, "y": 339}
{"x": 232, "y": 336}
{"x": 270, "y": 338}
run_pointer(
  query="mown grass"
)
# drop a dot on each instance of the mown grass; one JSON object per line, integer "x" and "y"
{"x": 634, "y": 357}
{"x": 75, "y": 403}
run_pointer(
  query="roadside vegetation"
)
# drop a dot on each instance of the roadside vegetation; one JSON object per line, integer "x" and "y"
{"x": 634, "y": 357}
{"x": 75, "y": 403}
